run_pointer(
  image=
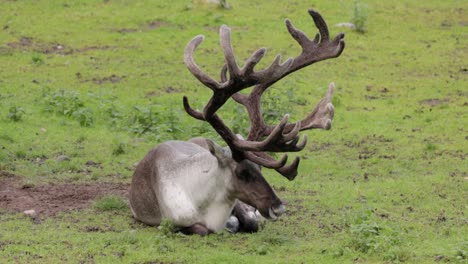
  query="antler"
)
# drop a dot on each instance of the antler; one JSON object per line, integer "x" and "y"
{"x": 282, "y": 137}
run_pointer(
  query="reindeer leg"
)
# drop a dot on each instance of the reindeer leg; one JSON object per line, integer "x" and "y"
{"x": 198, "y": 229}
{"x": 248, "y": 221}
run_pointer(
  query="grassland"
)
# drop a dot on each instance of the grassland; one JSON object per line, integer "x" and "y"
{"x": 101, "y": 82}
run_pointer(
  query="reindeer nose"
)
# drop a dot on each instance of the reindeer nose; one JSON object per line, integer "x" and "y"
{"x": 279, "y": 210}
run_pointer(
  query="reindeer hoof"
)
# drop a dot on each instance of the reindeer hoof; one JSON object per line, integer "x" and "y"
{"x": 198, "y": 229}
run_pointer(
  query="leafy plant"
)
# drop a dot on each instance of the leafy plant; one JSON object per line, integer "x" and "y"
{"x": 15, "y": 113}
{"x": 84, "y": 116}
{"x": 63, "y": 102}
{"x": 359, "y": 16}
{"x": 37, "y": 59}
{"x": 68, "y": 103}
{"x": 119, "y": 148}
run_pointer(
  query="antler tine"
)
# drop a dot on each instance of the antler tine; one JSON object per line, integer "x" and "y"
{"x": 321, "y": 117}
{"x": 266, "y": 161}
{"x": 192, "y": 112}
{"x": 193, "y": 67}
{"x": 320, "y": 23}
{"x": 225, "y": 39}
{"x": 290, "y": 171}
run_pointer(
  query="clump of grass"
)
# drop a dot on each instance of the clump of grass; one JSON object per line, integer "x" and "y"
{"x": 359, "y": 16}
{"x": 110, "y": 203}
{"x": 119, "y": 147}
{"x": 15, "y": 113}
{"x": 37, "y": 59}
{"x": 431, "y": 147}
{"x": 167, "y": 227}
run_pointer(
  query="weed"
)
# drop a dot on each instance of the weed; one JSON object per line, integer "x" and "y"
{"x": 15, "y": 113}
{"x": 144, "y": 120}
{"x": 359, "y": 16}
{"x": 119, "y": 147}
{"x": 110, "y": 203}
{"x": 431, "y": 147}
{"x": 62, "y": 102}
{"x": 173, "y": 124}
{"x": 114, "y": 114}
{"x": 84, "y": 116}
{"x": 37, "y": 59}
{"x": 20, "y": 154}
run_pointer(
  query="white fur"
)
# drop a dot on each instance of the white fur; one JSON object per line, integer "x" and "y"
{"x": 193, "y": 188}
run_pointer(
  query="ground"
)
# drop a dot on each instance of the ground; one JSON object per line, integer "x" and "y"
{"x": 47, "y": 200}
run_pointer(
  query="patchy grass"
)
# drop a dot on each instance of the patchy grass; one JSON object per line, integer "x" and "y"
{"x": 101, "y": 82}
{"x": 110, "y": 203}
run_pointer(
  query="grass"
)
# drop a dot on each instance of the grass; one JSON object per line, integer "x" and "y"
{"x": 110, "y": 203}
{"x": 103, "y": 81}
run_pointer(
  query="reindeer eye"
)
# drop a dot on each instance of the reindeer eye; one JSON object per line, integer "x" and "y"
{"x": 247, "y": 176}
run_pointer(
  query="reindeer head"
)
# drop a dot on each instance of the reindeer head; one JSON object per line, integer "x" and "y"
{"x": 251, "y": 153}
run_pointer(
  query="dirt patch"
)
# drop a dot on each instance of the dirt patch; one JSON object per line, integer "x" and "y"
{"x": 31, "y": 44}
{"x": 167, "y": 90}
{"x": 148, "y": 26}
{"x": 434, "y": 101}
{"x": 112, "y": 78}
{"x": 47, "y": 200}
{"x": 28, "y": 43}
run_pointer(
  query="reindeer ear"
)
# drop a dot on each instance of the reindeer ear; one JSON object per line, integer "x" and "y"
{"x": 217, "y": 151}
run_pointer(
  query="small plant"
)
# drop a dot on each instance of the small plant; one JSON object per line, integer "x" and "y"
{"x": 144, "y": 120}
{"x": 15, "y": 113}
{"x": 119, "y": 148}
{"x": 84, "y": 116}
{"x": 110, "y": 203}
{"x": 431, "y": 147}
{"x": 173, "y": 122}
{"x": 37, "y": 59}
{"x": 359, "y": 16}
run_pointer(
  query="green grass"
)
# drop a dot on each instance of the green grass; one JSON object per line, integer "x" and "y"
{"x": 103, "y": 81}
{"x": 110, "y": 203}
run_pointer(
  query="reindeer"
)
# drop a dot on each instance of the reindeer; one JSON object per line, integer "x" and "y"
{"x": 197, "y": 184}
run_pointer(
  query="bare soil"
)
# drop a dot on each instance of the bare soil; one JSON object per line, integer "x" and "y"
{"x": 48, "y": 200}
